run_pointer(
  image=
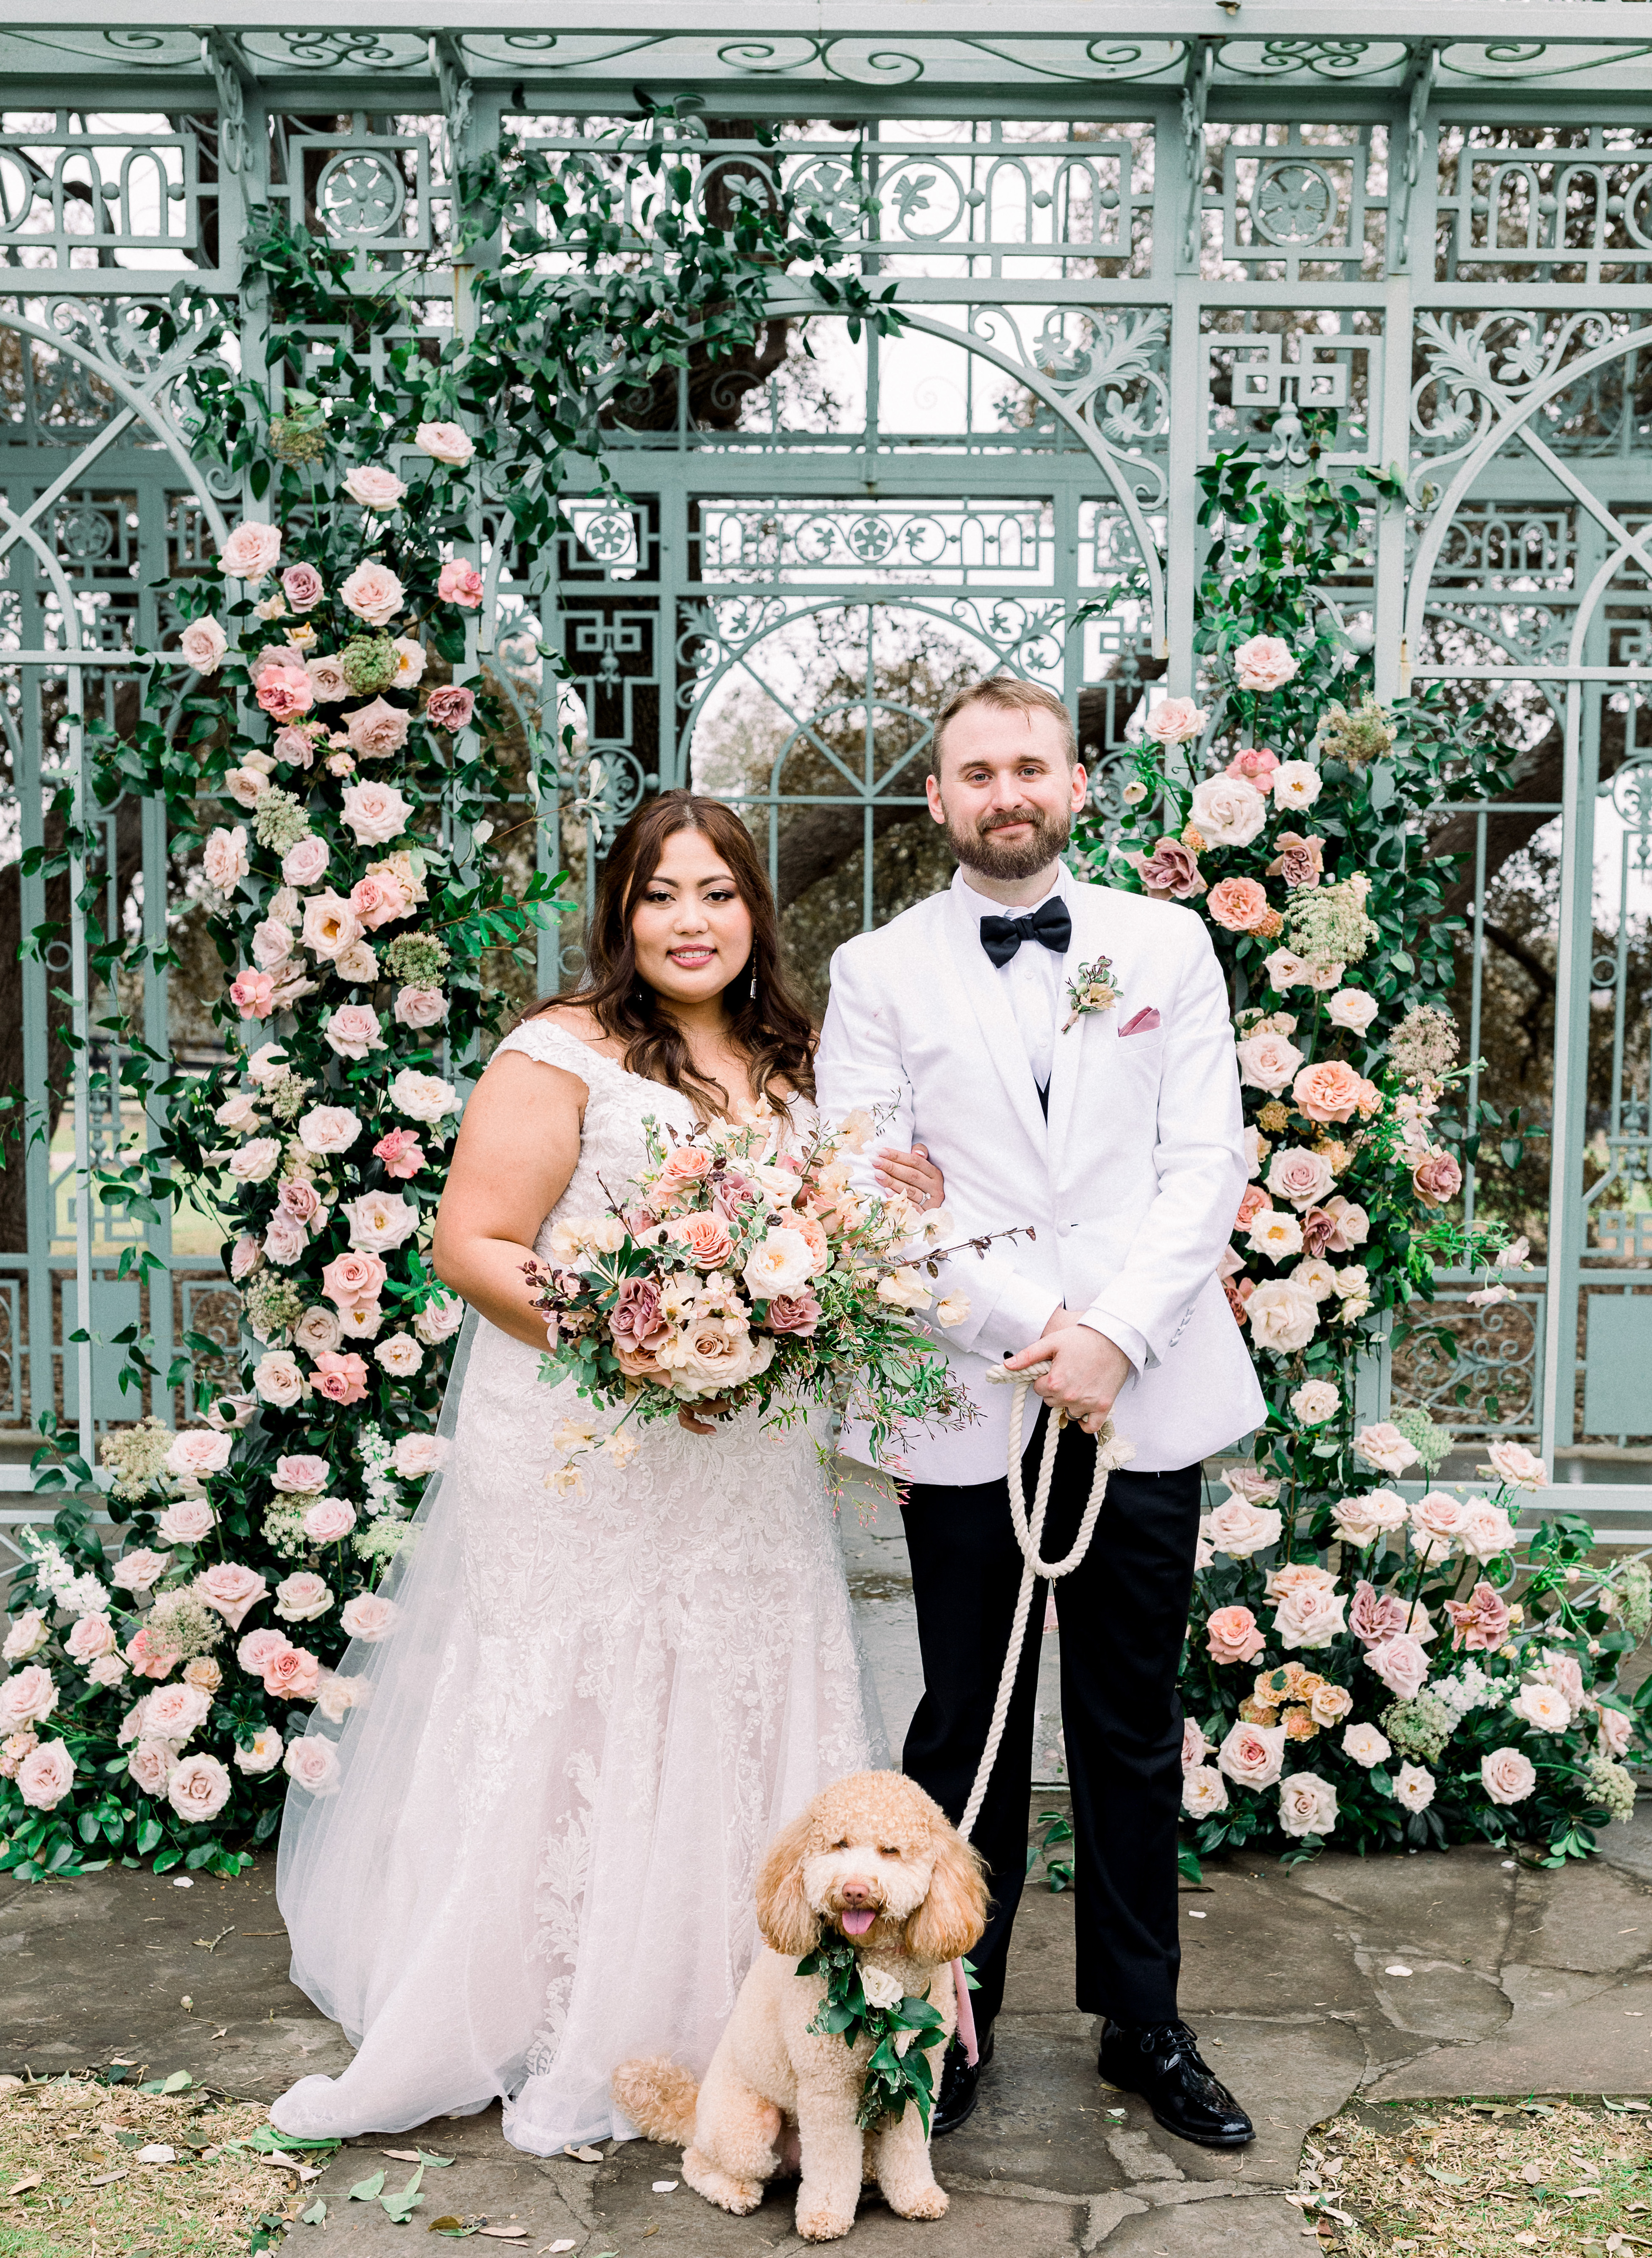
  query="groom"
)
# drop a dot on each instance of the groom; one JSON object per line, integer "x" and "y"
{"x": 1115, "y": 1131}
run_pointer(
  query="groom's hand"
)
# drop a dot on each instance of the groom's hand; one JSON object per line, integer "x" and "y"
{"x": 1087, "y": 1370}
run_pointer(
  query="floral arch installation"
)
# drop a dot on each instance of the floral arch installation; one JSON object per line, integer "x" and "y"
{"x": 1120, "y": 251}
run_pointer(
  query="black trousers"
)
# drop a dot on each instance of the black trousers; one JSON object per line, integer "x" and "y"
{"x": 1124, "y": 1613}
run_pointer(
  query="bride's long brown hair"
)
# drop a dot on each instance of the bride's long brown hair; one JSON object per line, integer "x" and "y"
{"x": 770, "y": 1024}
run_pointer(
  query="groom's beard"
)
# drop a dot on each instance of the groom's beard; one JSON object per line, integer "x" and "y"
{"x": 978, "y": 848}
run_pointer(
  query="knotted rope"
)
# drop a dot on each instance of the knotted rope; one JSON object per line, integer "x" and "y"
{"x": 1110, "y": 1452}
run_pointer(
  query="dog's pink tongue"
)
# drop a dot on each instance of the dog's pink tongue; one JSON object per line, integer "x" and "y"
{"x": 857, "y": 1921}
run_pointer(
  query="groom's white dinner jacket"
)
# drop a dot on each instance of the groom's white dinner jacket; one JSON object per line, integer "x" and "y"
{"x": 1132, "y": 1184}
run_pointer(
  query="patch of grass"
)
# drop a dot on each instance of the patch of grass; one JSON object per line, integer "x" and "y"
{"x": 74, "y": 2132}
{"x": 1481, "y": 2179}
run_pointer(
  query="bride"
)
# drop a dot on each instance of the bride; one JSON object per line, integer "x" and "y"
{"x": 596, "y": 1705}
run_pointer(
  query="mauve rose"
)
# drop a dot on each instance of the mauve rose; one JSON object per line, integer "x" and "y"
{"x": 373, "y": 592}
{"x": 293, "y": 1675}
{"x": 1374, "y": 1619}
{"x": 1351, "y": 1226}
{"x": 706, "y": 1239}
{"x": 634, "y": 1321}
{"x": 1327, "y": 1091}
{"x": 1401, "y": 1663}
{"x": 420, "y": 1007}
{"x": 793, "y": 1313}
{"x": 1506, "y": 1776}
{"x": 369, "y": 1617}
{"x": 1233, "y": 1635}
{"x": 251, "y": 550}
{"x": 450, "y": 707}
{"x": 258, "y": 1648}
{"x": 329, "y": 1520}
{"x": 327, "y": 679}
{"x": 1297, "y": 1175}
{"x": 1480, "y": 1622}
{"x": 302, "y": 587}
{"x": 1300, "y": 862}
{"x": 92, "y": 1636}
{"x": 305, "y": 861}
{"x": 1437, "y": 1179}
{"x": 232, "y": 1590}
{"x": 1239, "y": 903}
{"x": 1263, "y": 664}
{"x": 341, "y": 1379}
{"x": 377, "y": 730}
{"x": 1253, "y": 1756}
{"x": 198, "y": 1789}
{"x": 1171, "y": 869}
{"x": 460, "y": 583}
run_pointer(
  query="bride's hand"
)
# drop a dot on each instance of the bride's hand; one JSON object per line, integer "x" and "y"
{"x": 913, "y": 1173}
{"x": 702, "y": 1418}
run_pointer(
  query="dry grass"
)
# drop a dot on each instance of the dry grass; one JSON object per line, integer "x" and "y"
{"x": 1485, "y": 2180}
{"x": 68, "y": 2135}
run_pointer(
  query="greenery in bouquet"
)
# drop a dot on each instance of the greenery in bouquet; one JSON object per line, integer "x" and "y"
{"x": 743, "y": 1267}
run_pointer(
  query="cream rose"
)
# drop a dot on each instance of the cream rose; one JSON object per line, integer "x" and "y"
{"x": 251, "y": 551}
{"x": 1316, "y": 1401}
{"x": 223, "y": 862}
{"x": 369, "y": 1617}
{"x": 303, "y": 1597}
{"x": 329, "y": 1129}
{"x": 1263, "y": 665}
{"x": 1274, "y": 1234}
{"x": 1295, "y": 784}
{"x": 1282, "y": 1316}
{"x": 1203, "y": 1791}
{"x": 1365, "y": 1745}
{"x": 262, "y": 1753}
{"x": 374, "y": 487}
{"x": 401, "y": 1356}
{"x": 422, "y": 1097}
{"x": 1310, "y": 1615}
{"x": 1239, "y": 1528}
{"x": 375, "y": 811}
{"x": 203, "y": 644}
{"x": 1352, "y": 1008}
{"x": 445, "y": 442}
{"x": 1545, "y": 1707}
{"x": 312, "y": 1762}
{"x": 1268, "y": 1061}
{"x": 373, "y": 592}
{"x": 1382, "y": 1445}
{"x": 379, "y": 1221}
{"x": 1308, "y": 1805}
{"x": 1252, "y": 1755}
{"x": 782, "y": 1262}
{"x": 1227, "y": 811}
{"x": 46, "y": 1776}
{"x": 1506, "y": 1776}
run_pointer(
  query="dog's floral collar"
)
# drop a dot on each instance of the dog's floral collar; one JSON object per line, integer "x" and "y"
{"x": 858, "y": 2000}
{"x": 1090, "y": 990}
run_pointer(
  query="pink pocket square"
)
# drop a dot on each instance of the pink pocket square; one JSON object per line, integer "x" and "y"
{"x": 1141, "y": 1024}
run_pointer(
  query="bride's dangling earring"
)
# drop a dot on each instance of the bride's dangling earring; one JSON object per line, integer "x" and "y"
{"x": 754, "y": 977}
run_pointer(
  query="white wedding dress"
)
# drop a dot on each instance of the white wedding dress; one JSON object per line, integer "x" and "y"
{"x": 590, "y": 1716}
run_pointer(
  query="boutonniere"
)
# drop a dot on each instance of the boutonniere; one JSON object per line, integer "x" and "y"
{"x": 1090, "y": 990}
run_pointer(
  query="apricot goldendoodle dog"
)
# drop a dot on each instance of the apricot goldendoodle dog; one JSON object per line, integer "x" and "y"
{"x": 875, "y": 1859}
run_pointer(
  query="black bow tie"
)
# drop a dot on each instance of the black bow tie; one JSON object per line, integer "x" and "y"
{"x": 1050, "y": 923}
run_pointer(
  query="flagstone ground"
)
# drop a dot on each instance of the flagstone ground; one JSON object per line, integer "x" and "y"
{"x": 1393, "y": 1980}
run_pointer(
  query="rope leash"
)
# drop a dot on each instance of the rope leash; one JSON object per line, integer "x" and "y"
{"x": 1110, "y": 1452}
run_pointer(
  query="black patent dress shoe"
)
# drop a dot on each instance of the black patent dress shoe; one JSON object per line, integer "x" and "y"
{"x": 1162, "y": 2062}
{"x": 960, "y": 2085}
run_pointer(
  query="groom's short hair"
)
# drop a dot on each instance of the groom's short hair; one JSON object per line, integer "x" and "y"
{"x": 1010, "y": 694}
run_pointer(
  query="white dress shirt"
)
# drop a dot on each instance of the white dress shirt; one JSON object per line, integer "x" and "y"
{"x": 1032, "y": 977}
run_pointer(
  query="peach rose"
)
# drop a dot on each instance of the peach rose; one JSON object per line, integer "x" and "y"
{"x": 1233, "y": 1635}
{"x": 1239, "y": 903}
{"x": 1328, "y": 1704}
{"x": 1327, "y": 1091}
{"x": 293, "y": 1675}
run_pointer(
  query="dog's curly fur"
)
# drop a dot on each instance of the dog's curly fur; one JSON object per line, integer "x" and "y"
{"x": 873, "y": 1842}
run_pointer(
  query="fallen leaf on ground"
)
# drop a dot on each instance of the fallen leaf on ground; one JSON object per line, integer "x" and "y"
{"x": 585, "y": 2155}
{"x": 23, "y": 2186}
{"x": 664, "y": 2187}
{"x": 157, "y": 2152}
{"x": 505, "y": 2234}
{"x": 364, "y": 2191}
{"x": 105, "y": 2179}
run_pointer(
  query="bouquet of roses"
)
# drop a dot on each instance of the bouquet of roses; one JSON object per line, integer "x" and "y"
{"x": 741, "y": 1267}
